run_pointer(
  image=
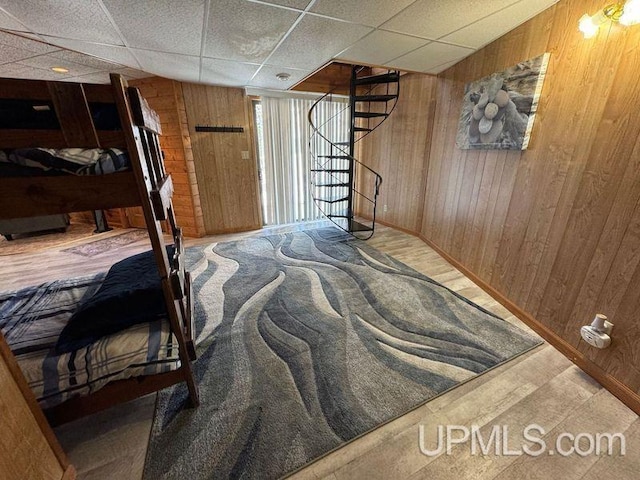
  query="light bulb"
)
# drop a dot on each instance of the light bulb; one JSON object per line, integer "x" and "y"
{"x": 630, "y": 13}
{"x": 587, "y": 26}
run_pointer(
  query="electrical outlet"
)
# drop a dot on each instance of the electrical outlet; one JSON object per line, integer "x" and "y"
{"x": 245, "y": 154}
{"x": 384, "y": 208}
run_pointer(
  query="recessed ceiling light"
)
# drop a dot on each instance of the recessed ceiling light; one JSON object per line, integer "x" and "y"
{"x": 283, "y": 76}
{"x": 60, "y": 69}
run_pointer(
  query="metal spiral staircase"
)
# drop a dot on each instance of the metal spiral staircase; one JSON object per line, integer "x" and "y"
{"x": 342, "y": 185}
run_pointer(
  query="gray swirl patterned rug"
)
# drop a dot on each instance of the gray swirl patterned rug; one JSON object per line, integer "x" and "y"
{"x": 306, "y": 341}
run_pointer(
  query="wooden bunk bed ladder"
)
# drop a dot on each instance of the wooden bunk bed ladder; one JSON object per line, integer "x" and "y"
{"x": 154, "y": 183}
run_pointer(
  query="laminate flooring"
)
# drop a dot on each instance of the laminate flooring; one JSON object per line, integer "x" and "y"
{"x": 540, "y": 387}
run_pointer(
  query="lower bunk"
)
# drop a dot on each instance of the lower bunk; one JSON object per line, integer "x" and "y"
{"x": 87, "y": 343}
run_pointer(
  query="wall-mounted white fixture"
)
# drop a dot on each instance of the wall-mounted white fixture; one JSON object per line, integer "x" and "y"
{"x": 598, "y": 334}
{"x": 624, "y": 13}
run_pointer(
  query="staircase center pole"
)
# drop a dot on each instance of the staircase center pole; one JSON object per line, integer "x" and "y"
{"x": 352, "y": 141}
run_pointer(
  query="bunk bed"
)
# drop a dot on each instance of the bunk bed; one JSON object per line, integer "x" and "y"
{"x": 104, "y": 118}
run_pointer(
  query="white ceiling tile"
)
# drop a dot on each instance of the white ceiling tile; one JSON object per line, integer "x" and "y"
{"x": 429, "y": 56}
{"x": 10, "y": 23}
{"x": 226, "y": 72}
{"x": 112, "y": 53}
{"x": 371, "y": 12}
{"x": 316, "y": 40}
{"x": 170, "y": 26}
{"x": 46, "y": 62}
{"x": 441, "y": 68}
{"x": 17, "y": 70}
{"x": 170, "y": 65}
{"x": 494, "y": 26}
{"x": 244, "y": 31}
{"x": 435, "y": 18}
{"x": 132, "y": 73}
{"x": 10, "y": 70}
{"x": 12, "y": 54}
{"x": 299, "y": 4}
{"x": 83, "y": 20}
{"x": 99, "y": 77}
{"x": 266, "y": 77}
{"x": 85, "y": 60}
{"x": 18, "y": 41}
{"x": 379, "y": 47}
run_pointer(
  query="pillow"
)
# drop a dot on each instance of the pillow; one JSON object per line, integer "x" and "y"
{"x": 130, "y": 294}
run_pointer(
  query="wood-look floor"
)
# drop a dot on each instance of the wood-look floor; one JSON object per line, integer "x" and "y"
{"x": 541, "y": 387}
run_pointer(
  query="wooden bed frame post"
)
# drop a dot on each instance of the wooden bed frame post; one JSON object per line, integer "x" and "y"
{"x": 146, "y": 159}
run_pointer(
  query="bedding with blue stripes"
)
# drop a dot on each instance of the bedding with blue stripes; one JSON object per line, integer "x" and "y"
{"x": 31, "y": 320}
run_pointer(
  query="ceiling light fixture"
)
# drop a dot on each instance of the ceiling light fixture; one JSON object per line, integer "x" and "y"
{"x": 624, "y": 13}
{"x": 631, "y": 13}
{"x": 283, "y": 76}
{"x": 60, "y": 69}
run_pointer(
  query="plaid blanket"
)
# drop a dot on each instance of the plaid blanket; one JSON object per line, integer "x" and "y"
{"x": 76, "y": 161}
{"x": 31, "y": 320}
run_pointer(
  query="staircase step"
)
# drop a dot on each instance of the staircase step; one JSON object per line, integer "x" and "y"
{"x": 370, "y": 114}
{"x": 374, "y": 98}
{"x": 334, "y": 156}
{"x": 373, "y": 79}
{"x": 337, "y": 200}
{"x": 359, "y": 227}
{"x": 340, "y": 143}
{"x": 329, "y": 170}
{"x": 362, "y": 129}
{"x": 330, "y": 215}
{"x": 341, "y": 185}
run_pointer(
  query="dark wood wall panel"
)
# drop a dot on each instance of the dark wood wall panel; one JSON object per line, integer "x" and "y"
{"x": 554, "y": 229}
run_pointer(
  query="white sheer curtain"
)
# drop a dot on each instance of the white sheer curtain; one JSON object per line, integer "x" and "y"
{"x": 287, "y": 161}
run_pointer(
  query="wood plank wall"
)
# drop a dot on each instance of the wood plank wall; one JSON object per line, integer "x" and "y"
{"x": 228, "y": 183}
{"x": 399, "y": 151}
{"x": 165, "y": 97}
{"x": 554, "y": 230}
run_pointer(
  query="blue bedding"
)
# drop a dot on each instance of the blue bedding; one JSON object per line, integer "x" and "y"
{"x": 75, "y": 161}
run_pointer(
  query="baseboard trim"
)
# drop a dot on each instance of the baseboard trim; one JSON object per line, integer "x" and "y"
{"x": 395, "y": 227}
{"x": 617, "y": 388}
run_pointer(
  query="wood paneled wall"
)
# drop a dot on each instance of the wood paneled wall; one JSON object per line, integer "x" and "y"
{"x": 165, "y": 97}
{"x": 554, "y": 230}
{"x": 227, "y": 182}
{"x": 399, "y": 151}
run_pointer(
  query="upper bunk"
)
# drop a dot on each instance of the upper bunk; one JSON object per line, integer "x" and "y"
{"x": 63, "y": 115}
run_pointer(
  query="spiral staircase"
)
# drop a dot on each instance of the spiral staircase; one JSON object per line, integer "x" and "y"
{"x": 342, "y": 185}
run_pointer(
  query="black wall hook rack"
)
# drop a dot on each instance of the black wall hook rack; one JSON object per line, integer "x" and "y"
{"x": 211, "y": 128}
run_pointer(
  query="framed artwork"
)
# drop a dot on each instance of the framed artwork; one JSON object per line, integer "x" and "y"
{"x": 498, "y": 110}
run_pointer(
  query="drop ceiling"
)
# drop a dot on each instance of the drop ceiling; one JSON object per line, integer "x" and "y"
{"x": 245, "y": 42}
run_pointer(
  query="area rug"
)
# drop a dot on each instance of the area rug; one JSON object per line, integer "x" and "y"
{"x": 41, "y": 241}
{"x": 305, "y": 341}
{"x": 103, "y": 245}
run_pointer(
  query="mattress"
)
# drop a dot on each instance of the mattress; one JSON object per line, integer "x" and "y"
{"x": 31, "y": 320}
{"x": 64, "y": 161}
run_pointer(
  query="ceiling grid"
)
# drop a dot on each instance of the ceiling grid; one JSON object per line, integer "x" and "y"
{"x": 245, "y": 42}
